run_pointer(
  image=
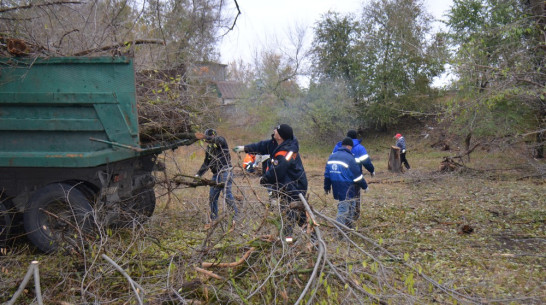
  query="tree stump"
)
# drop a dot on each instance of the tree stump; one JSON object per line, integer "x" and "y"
{"x": 395, "y": 165}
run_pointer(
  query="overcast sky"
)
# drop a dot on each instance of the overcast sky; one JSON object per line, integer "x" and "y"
{"x": 263, "y": 23}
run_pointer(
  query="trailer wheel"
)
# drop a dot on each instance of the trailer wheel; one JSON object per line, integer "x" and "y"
{"x": 58, "y": 216}
{"x": 145, "y": 203}
{"x": 137, "y": 209}
{"x": 88, "y": 190}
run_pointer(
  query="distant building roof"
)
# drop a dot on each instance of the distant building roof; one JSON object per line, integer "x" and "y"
{"x": 231, "y": 90}
{"x": 210, "y": 71}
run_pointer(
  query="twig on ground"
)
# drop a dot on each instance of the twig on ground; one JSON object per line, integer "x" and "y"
{"x": 134, "y": 285}
{"x": 321, "y": 255}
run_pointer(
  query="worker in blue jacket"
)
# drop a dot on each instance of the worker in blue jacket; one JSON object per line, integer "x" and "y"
{"x": 284, "y": 173}
{"x": 359, "y": 151}
{"x": 361, "y": 157}
{"x": 344, "y": 177}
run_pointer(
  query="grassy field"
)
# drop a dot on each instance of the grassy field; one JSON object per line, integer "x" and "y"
{"x": 474, "y": 236}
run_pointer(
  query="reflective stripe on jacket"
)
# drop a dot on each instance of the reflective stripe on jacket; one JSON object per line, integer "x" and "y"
{"x": 284, "y": 171}
{"x": 360, "y": 154}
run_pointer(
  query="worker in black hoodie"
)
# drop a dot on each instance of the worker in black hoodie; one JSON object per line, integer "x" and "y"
{"x": 218, "y": 160}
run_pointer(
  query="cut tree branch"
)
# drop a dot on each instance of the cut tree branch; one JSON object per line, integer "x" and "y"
{"x": 209, "y": 273}
{"x": 230, "y": 265}
{"x": 29, "y": 6}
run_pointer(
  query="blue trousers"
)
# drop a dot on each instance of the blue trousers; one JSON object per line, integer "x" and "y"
{"x": 224, "y": 176}
{"x": 346, "y": 212}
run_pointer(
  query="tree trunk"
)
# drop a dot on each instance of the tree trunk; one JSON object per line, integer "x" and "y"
{"x": 539, "y": 150}
{"x": 467, "y": 143}
{"x": 395, "y": 165}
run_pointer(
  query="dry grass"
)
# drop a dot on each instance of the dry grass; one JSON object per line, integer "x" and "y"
{"x": 418, "y": 217}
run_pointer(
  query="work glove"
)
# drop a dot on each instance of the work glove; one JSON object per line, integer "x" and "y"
{"x": 200, "y": 136}
{"x": 365, "y": 190}
{"x": 326, "y": 191}
{"x": 263, "y": 180}
{"x": 239, "y": 149}
{"x": 373, "y": 174}
{"x": 403, "y": 151}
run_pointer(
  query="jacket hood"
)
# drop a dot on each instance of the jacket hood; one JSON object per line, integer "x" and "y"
{"x": 345, "y": 150}
{"x": 289, "y": 145}
{"x": 355, "y": 143}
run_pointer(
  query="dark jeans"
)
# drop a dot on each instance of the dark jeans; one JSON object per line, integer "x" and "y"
{"x": 404, "y": 160}
{"x": 226, "y": 177}
{"x": 291, "y": 216}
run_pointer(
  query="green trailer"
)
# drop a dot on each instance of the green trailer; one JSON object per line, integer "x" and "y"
{"x": 70, "y": 153}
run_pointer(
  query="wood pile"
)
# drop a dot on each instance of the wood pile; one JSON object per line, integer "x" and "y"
{"x": 165, "y": 111}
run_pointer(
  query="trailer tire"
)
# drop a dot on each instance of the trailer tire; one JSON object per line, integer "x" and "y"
{"x": 137, "y": 209}
{"x": 58, "y": 216}
{"x": 88, "y": 190}
{"x": 145, "y": 203}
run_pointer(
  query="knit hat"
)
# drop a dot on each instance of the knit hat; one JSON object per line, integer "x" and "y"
{"x": 347, "y": 142}
{"x": 351, "y": 134}
{"x": 210, "y": 132}
{"x": 398, "y": 136}
{"x": 285, "y": 131}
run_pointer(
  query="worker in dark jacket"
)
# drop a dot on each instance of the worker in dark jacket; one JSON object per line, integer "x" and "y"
{"x": 344, "y": 177}
{"x": 401, "y": 143}
{"x": 284, "y": 174}
{"x": 218, "y": 160}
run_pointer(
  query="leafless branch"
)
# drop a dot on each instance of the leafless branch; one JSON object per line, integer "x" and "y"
{"x": 234, "y": 20}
